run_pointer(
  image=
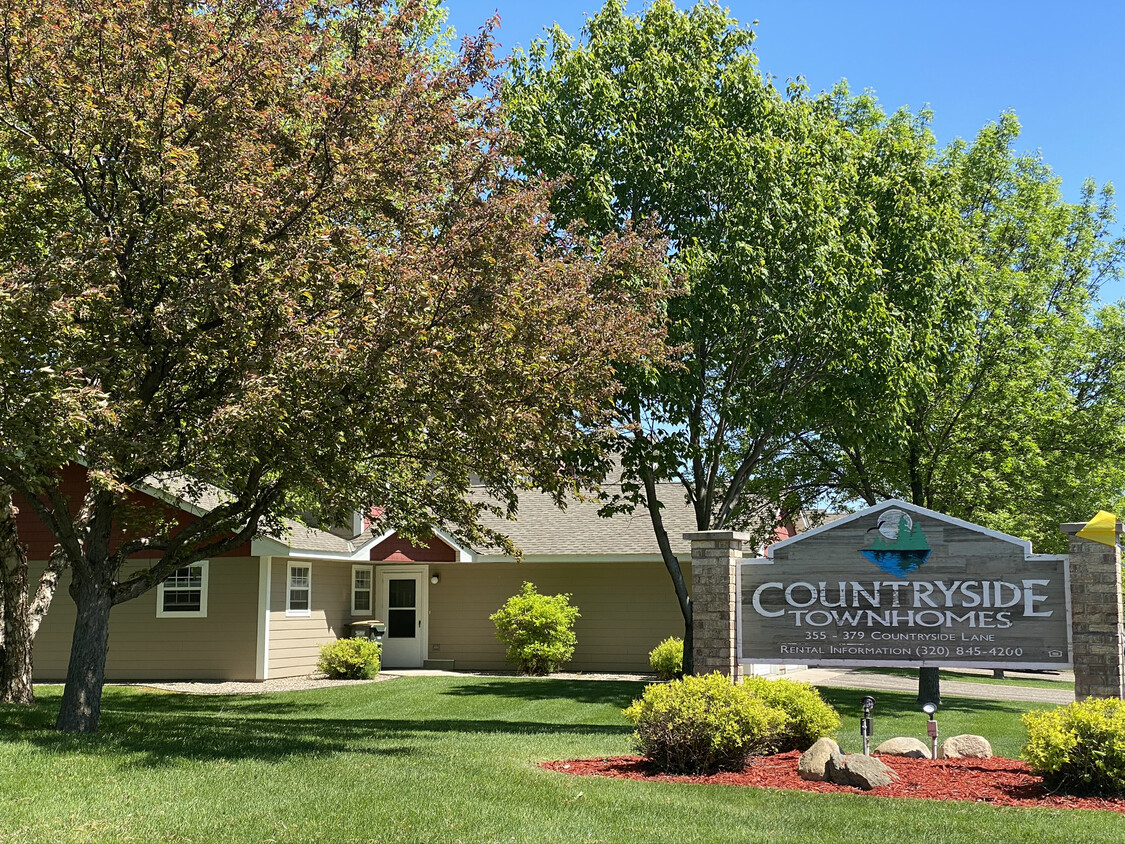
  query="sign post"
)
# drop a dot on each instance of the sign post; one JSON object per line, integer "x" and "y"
{"x": 1099, "y": 632}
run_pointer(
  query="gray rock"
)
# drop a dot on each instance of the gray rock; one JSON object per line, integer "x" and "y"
{"x": 813, "y": 761}
{"x": 834, "y": 769}
{"x": 867, "y": 772}
{"x": 965, "y": 747}
{"x": 901, "y": 746}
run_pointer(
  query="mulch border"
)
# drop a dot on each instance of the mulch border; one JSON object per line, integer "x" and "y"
{"x": 996, "y": 781}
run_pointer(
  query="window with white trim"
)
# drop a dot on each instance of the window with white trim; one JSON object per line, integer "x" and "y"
{"x": 298, "y": 595}
{"x": 361, "y": 590}
{"x": 184, "y": 593}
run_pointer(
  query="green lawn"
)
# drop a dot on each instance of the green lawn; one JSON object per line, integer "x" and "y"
{"x": 448, "y": 759}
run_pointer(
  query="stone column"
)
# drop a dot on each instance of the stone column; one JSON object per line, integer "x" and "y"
{"x": 715, "y": 557}
{"x": 1097, "y": 631}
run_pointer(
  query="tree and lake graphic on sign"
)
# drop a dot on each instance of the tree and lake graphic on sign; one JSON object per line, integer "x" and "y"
{"x": 899, "y": 545}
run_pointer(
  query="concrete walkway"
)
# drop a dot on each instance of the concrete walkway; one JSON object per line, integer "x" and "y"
{"x": 856, "y": 679}
{"x": 837, "y": 677}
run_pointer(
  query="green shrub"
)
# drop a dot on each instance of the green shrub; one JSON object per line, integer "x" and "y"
{"x": 538, "y": 630}
{"x": 700, "y": 725}
{"x": 1079, "y": 748}
{"x": 350, "y": 659}
{"x": 667, "y": 659}
{"x": 807, "y": 716}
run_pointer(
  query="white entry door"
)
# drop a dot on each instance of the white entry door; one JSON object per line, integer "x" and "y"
{"x": 400, "y": 602}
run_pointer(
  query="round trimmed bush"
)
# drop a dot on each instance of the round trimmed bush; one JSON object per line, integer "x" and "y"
{"x": 538, "y": 630}
{"x": 699, "y": 725}
{"x": 1079, "y": 748}
{"x": 807, "y": 716}
{"x": 667, "y": 659}
{"x": 350, "y": 659}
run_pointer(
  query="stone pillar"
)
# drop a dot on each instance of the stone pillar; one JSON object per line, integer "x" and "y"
{"x": 1097, "y": 631}
{"x": 715, "y": 557}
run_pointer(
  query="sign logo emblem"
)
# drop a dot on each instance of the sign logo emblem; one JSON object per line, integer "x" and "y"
{"x": 899, "y": 546}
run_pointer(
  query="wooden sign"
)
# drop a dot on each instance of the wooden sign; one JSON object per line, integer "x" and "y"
{"x": 900, "y": 585}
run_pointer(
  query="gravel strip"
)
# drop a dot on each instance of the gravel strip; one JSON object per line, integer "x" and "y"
{"x": 288, "y": 684}
{"x": 319, "y": 681}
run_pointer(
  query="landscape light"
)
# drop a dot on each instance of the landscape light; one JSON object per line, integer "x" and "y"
{"x": 931, "y": 727}
{"x": 865, "y": 723}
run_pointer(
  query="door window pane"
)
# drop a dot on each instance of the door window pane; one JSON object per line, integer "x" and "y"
{"x": 401, "y": 624}
{"x": 402, "y": 593}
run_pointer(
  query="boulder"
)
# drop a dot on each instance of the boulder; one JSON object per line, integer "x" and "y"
{"x": 867, "y": 772}
{"x": 813, "y": 761}
{"x": 901, "y": 746}
{"x": 965, "y": 747}
{"x": 834, "y": 769}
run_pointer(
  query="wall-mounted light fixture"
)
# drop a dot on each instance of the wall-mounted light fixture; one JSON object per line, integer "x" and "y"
{"x": 435, "y": 579}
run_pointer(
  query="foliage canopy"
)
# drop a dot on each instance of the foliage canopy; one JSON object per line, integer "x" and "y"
{"x": 279, "y": 249}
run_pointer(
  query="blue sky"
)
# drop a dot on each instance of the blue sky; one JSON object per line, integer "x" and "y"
{"x": 1059, "y": 66}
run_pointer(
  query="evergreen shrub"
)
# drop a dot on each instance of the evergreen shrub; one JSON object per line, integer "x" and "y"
{"x": 350, "y": 659}
{"x": 1079, "y": 748}
{"x": 699, "y": 725}
{"x": 667, "y": 659}
{"x": 808, "y": 717}
{"x": 538, "y": 630}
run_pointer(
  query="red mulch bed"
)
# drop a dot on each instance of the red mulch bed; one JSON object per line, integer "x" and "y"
{"x": 999, "y": 781}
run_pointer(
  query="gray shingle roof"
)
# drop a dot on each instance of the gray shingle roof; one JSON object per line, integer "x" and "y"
{"x": 305, "y": 538}
{"x": 540, "y": 529}
{"x": 543, "y": 530}
{"x": 206, "y": 498}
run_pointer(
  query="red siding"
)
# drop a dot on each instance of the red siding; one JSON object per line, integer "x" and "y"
{"x": 74, "y": 484}
{"x": 398, "y": 550}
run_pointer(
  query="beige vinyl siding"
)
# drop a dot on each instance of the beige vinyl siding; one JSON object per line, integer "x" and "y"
{"x": 144, "y": 647}
{"x": 295, "y": 640}
{"x": 627, "y": 608}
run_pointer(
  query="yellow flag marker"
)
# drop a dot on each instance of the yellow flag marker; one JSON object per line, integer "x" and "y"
{"x": 1102, "y": 528}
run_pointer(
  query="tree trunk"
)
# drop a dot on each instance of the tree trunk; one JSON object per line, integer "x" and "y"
{"x": 672, "y": 564}
{"x": 15, "y": 669}
{"x": 85, "y": 674}
{"x": 689, "y": 640}
{"x": 15, "y": 662}
{"x": 15, "y": 666}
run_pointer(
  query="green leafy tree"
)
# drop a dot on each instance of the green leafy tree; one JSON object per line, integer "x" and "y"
{"x": 664, "y": 115}
{"x": 279, "y": 249}
{"x": 1011, "y": 412}
{"x": 1006, "y": 407}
